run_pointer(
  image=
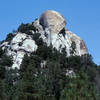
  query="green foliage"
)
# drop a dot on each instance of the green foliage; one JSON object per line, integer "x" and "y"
{"x": 38, "y": 40}
{"x": 79, "y": 88}
{"x": 29, "y": 70}
{"x": 5, "y": 61}
{"x": 42, "y": 74}
{"x": 2, "y": 94}
{"x": 25, "y": 63}
{"x": 1, "y": 52}
{"x": 10, "y": 81}
{"x": 43, "y": 51}
{"x": 25, "y": 28}
{"x": 50, "y": 81}
{"x": 2, "y": 72}
{"x": 9, "y": 37}
{"x": 73, "y": 48}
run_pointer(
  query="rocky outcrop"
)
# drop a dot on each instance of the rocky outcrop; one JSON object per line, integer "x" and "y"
{"x": 52, "y": 20}
{"x": 18, "y": 47}
{"x": 51, "y": 27}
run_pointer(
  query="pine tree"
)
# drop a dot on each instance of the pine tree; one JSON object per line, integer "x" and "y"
{"x": 79, "y": 88}
{"x": 5, "y": 61}
{"x": 30, "y": 68}
{"x": 73, "y": 48}
{"x": 2, "y": 76}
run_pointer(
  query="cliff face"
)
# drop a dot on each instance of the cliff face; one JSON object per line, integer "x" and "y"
{"x": 51, "y": 27}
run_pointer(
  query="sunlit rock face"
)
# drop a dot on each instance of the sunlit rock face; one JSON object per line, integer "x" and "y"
{"x": 18, "y": 47}
{"x": 51, "y": 27}
{"x": 52, "y": 20}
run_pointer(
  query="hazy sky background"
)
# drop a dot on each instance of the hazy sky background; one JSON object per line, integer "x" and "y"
{"x": 83, "y": 18}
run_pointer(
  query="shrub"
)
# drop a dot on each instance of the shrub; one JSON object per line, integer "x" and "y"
{"x": 9, "y": 37}
{"x": 24, "y": 28}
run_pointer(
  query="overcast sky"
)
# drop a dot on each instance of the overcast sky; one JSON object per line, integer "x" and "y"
{"x": 83, "y": 18}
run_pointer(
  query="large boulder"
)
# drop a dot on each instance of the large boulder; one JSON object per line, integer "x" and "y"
{"x": 52, "y": 20}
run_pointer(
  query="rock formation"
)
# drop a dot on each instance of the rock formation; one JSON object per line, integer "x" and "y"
{"x": 52, "y": 20}
{"x": 51, "y": 26}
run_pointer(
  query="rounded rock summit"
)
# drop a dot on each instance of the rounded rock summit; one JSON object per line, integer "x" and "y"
{"x": 52, "y": 20}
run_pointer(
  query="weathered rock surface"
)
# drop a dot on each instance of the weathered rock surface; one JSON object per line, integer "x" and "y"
{"x": 23, "y": 43}
{"x": 52, "y": 20}
{"x": 18, "y": 47}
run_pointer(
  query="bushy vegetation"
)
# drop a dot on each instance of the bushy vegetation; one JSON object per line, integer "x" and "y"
{"x": 9, "y": 37}
{"x": 43, "y": 75}
{"x": 49, "y": 81}
{"x": 26, "y": 28}
{"x": 5, "y": 61}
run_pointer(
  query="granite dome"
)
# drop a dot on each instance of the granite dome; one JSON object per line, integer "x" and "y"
{"x": 52, "y": 20}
